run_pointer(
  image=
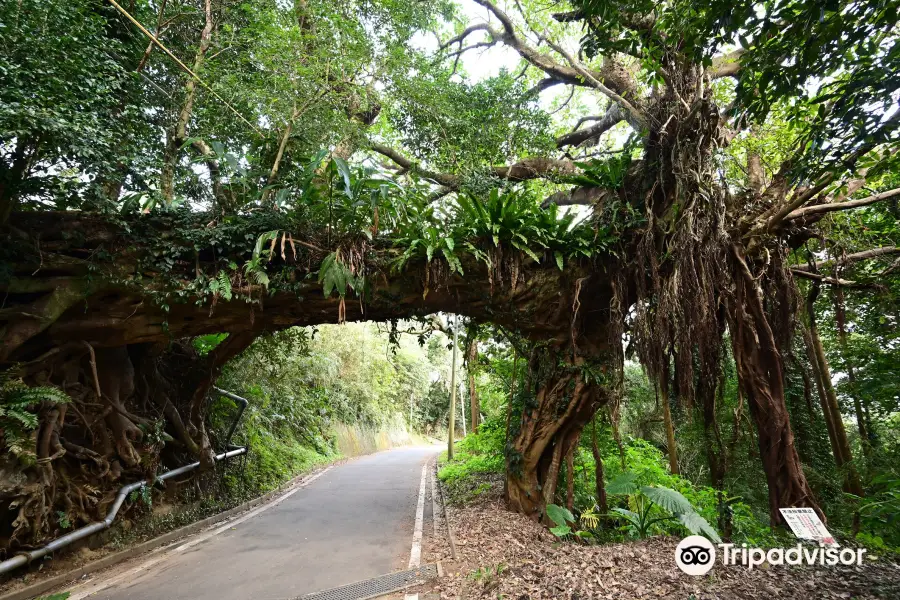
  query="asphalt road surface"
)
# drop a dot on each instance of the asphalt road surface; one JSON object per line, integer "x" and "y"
{"x": 352, "y": 523}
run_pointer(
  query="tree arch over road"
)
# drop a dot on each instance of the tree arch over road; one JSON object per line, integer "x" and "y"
{"x": 694, "y": 224}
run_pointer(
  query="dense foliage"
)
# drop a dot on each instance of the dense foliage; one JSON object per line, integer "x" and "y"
{"x": 671, "y": 229}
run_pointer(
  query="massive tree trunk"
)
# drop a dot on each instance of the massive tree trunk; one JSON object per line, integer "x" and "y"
{"x": 569, "y": 379}
{"x": 564, "y": 402}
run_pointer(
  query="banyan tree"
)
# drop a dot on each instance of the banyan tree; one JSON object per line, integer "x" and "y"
{"x": 317, "y": 162}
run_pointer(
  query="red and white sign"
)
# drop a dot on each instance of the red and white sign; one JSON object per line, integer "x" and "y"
{"x": 806, "y": 524}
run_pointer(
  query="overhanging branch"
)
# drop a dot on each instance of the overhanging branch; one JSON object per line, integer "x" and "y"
{"x": 726, "y": 65}
{"x": 523, "y": 170}
{"x": 580, "y": 196}
{"x": 613, "y": 116}
{"x": 836, "y": 206}
{"x": 851, "y": 258}
{"x": 829, "y": 280}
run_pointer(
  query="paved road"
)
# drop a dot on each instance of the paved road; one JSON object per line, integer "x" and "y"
{"x": 352, "y": 523}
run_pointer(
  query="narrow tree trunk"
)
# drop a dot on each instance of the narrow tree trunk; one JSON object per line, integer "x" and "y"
{"x": 840, "y": 317}
{"x": 672, "y": 450}
{"x": 716, "y": 455}
{"x": 509, "y": 405}
{"x": 176, "y": 137}
{"x": 836, "y": 450}
{"x": 570, "y": 477}
{"x": 279, "y": 155}
{"x": 853, "y": 484}
{"x": 452, "y": 417}
{"x": 600, "y": 482}
{"x": 474, "y": 406}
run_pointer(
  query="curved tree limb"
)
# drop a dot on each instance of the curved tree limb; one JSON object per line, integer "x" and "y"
{"x": 726, "y": 65}
{"x": 836, "y": 206}
{"x": 613, "y": 116}
{"x": 524, "y": 170}
{"x": 580, "y": 196}
{"x": 828, "y": 280}
{"x": 851, "y": 258}
{"x": 560, "y": 72}
{"x": 633, "y": 115}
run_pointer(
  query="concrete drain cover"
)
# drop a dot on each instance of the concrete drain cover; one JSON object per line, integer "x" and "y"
{"x": 372, "y": 588}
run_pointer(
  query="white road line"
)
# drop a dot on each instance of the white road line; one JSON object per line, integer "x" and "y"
{"x": 92, "y": 588}
{"x": 415, "y": 555}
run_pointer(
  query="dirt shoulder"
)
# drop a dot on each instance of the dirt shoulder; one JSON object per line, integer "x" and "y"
{"x": 533, "y": 564}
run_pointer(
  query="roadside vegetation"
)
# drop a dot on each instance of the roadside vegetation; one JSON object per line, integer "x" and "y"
{"x": 664, "y": 235}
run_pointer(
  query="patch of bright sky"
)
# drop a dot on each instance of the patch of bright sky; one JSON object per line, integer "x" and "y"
{"x": 484, "y": 63}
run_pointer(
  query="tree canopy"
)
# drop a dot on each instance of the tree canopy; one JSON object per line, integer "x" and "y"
{"x": 672, "y": 181}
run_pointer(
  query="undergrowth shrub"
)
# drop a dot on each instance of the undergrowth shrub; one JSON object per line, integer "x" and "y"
{"x": 477, "y": 462}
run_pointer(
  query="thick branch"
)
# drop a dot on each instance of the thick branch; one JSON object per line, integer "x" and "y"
{"x": 580, "y": 196}
{"x": 726, "y": 65}
{"x": 560, "y": 72}
{"x": 613, "y": 116}
{"x": 635, "y": 117}
{"x": 526, "y": 169}
{"x": 851, "y": 258}
{"x": 835, "y": 206}
{"x": 827, "y": 280}
{"x": 445, "y": 179}
{"x": 542, "y": 85}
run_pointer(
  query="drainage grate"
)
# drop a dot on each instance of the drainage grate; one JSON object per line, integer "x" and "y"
{"x": 372, "y": 588}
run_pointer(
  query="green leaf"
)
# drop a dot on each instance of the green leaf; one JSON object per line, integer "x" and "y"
{"x": 344, "y": 170}
{"x": 622, "y": 485}
{"x": 630, "y": 516}
{"x": 698, "y": 526}
{"x": 559, "y": 259}
{"x": 561, "y": 530}
{"x": 668, "y": 499}
{"x": 559, "y": 515}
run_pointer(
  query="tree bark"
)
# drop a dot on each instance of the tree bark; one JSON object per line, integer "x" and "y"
{"x": 852, "y": 482}
{"x": 570, "y": 477}
{"x": 836, "y": 450}
{"x": 565, "y": 401}
{"x": 760, "y": 372}
{"x": 671, "y": 448}
{"x": 600, "y": 481}
{"x": 474, "y": 406}
{"x": 710, "y": 394}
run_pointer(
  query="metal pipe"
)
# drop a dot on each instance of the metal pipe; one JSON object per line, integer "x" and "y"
{"x": 243, "y": 402}
{"x": 24, "y": 558}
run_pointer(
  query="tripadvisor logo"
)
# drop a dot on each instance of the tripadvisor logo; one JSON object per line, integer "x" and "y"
{"x": 696, "y": 555}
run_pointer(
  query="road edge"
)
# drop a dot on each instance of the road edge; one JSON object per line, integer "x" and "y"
{"x": 110, "y": 560}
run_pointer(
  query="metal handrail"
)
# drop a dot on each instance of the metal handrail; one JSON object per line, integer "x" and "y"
{"x": 24, "y": 558}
